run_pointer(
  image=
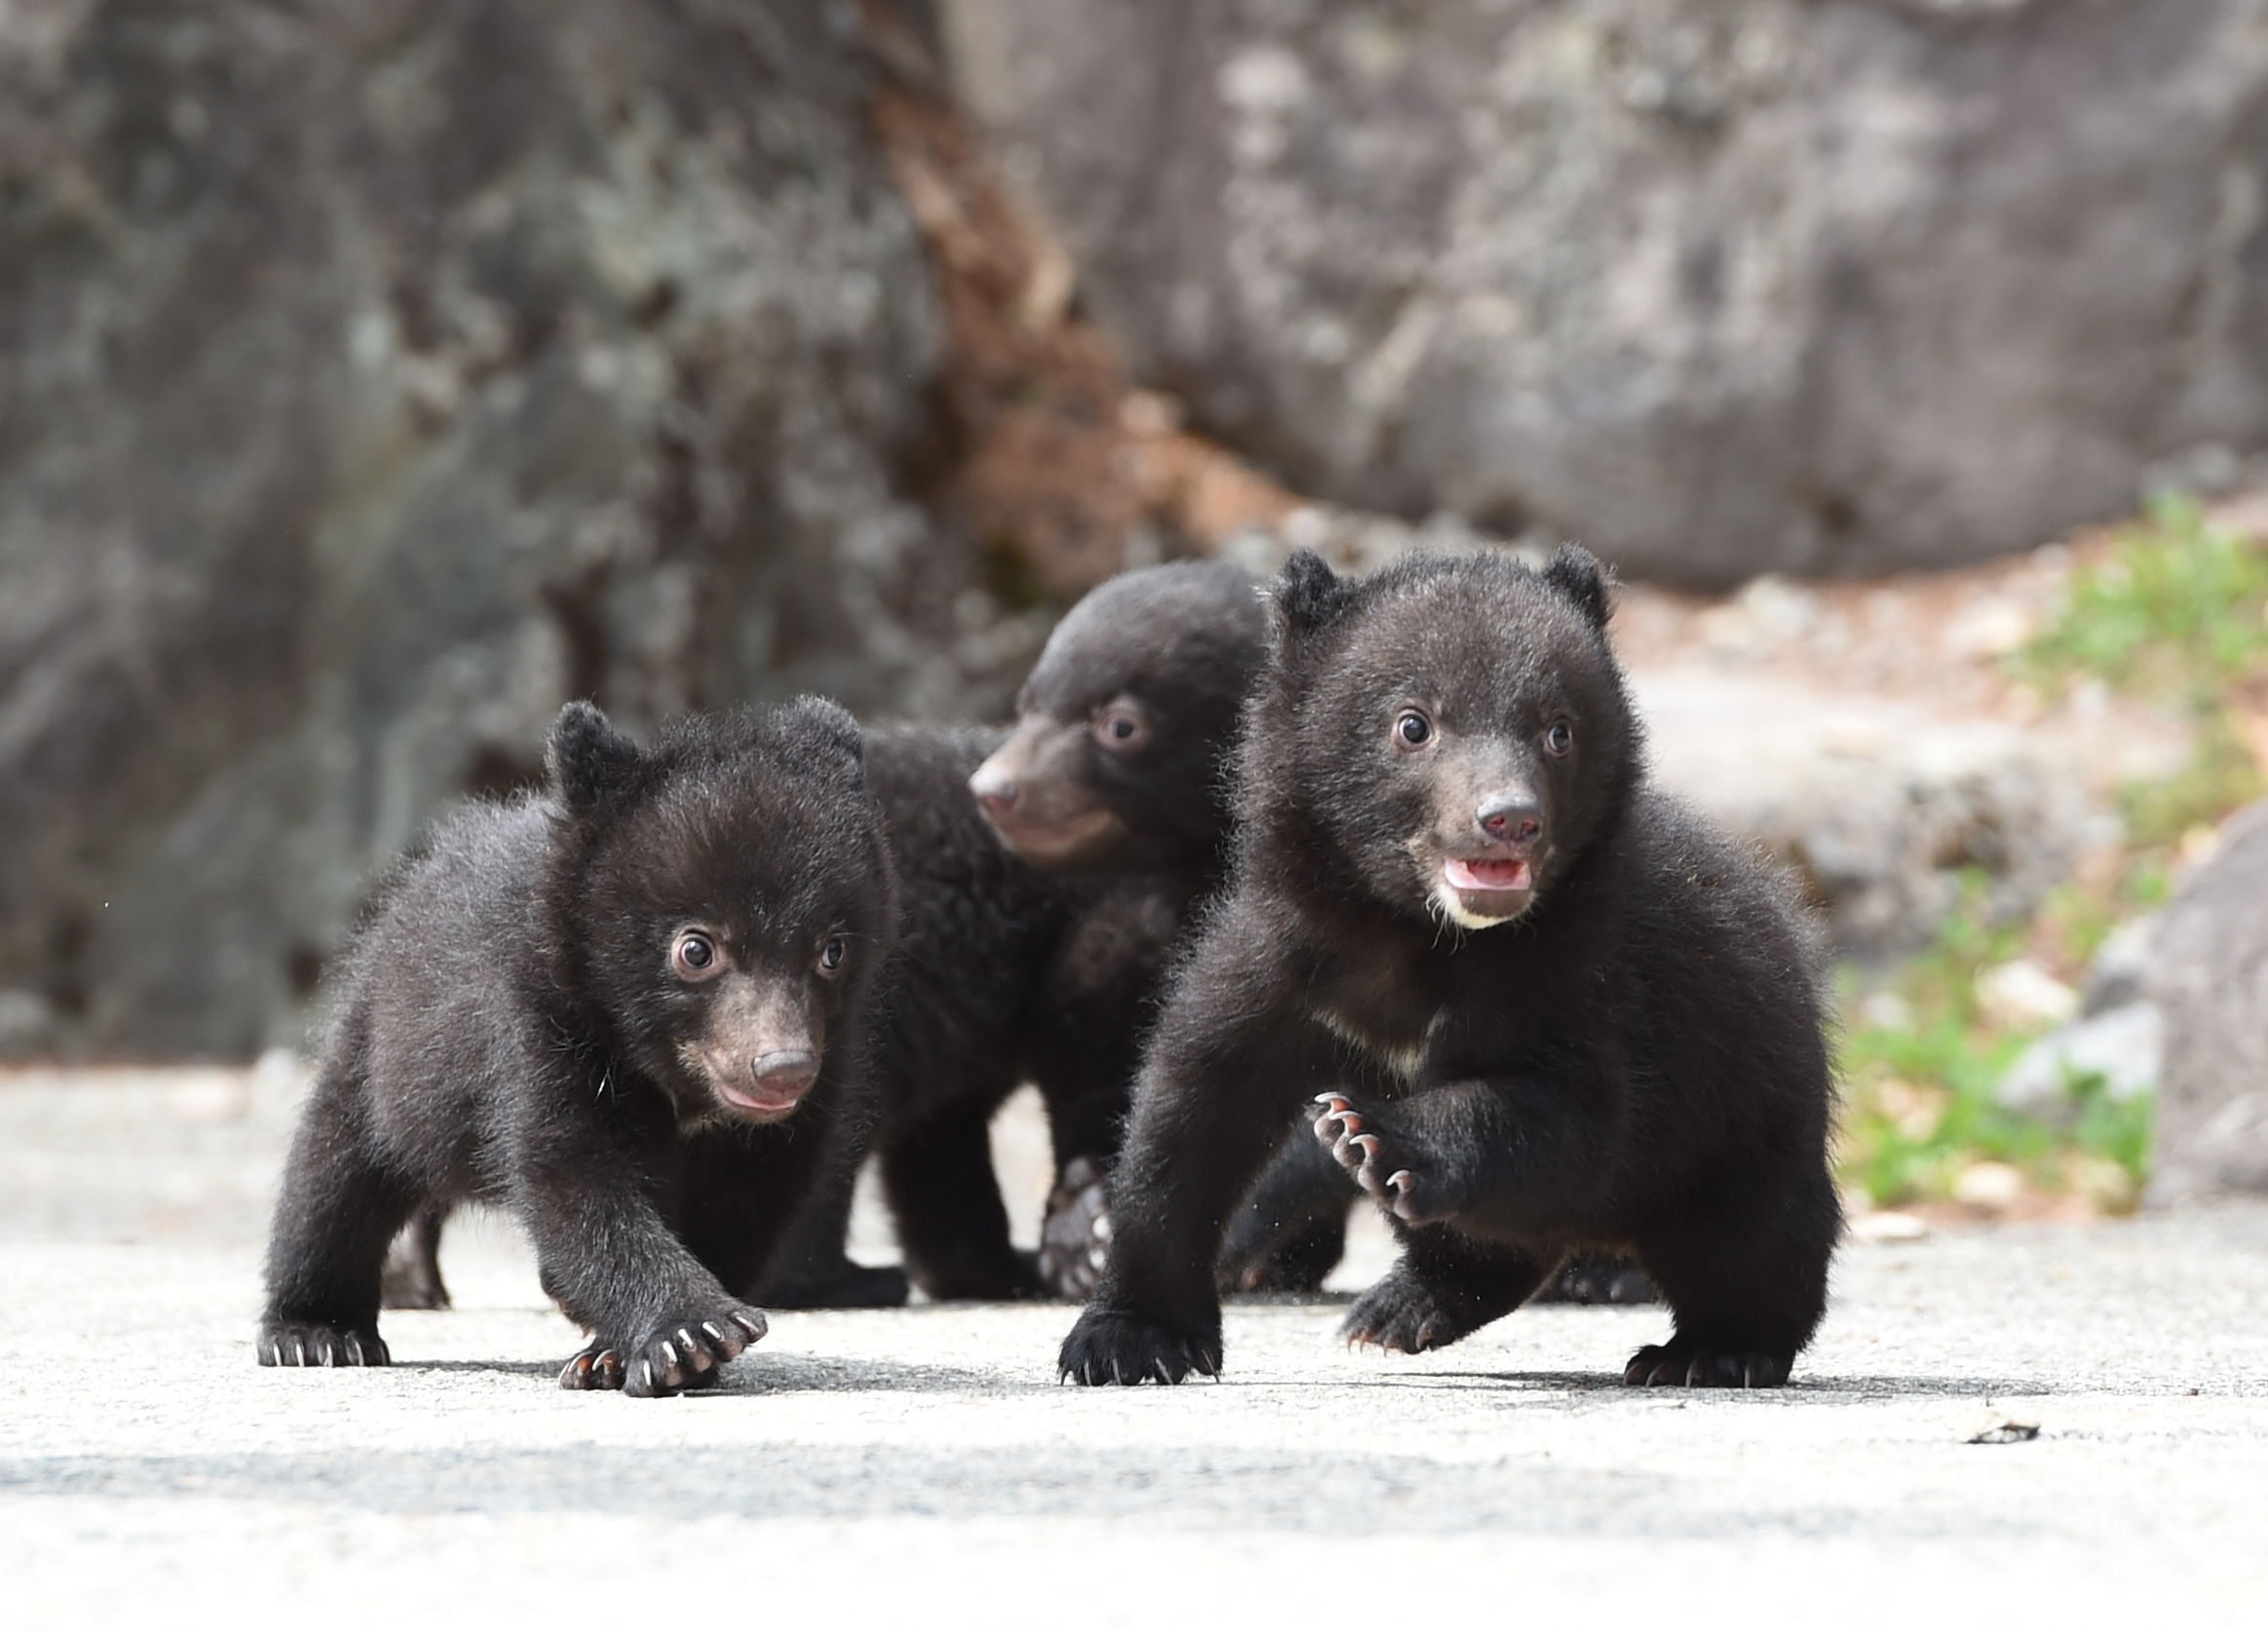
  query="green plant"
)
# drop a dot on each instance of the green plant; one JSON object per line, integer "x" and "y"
{"x": 1919, "y": 1086}
{"x": 2118, "y": 1130}
{"x": 2175, "y": 612}
{"x": 1921, "y": 1083}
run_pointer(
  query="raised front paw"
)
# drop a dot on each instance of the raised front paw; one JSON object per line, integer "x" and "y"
{"x": 1363, "y": 1141}
{"x": 1074, "y": 1235}
{"x": 678, "y": 1354}
{"x": 1681, "y": 1365}
{"x": 1106, "y": 1348}
{"x": 294, "y": 1341}
{"x": 1402, "y": 1315}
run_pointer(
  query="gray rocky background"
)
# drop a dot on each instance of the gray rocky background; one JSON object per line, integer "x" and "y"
{"x": 2208, "y": 974}
{"x": 1816, "y": 286}
{"x": 375, "y": 377}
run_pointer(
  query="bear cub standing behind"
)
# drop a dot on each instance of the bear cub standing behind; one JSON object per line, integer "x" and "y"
{"x": 629, "y": 1009}
{"x": 1543, "y": 1007}
{"x": 1046, "y": 873}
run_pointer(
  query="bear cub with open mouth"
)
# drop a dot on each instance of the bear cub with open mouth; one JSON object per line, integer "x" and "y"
{"x": 1541, "y": 1007}
{"x": 629, "y": 1009}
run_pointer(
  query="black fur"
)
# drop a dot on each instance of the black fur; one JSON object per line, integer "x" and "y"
{"x": 1011, "y": 972}
{"x": 1545, "y": 1007}
{"x": 629, "y": 1010}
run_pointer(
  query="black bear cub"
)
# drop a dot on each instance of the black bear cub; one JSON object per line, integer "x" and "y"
{"x": 1542, "y": 1007}
{"x": 1046, "y": 874}
{"x": 629, "y": 1009}
{"x": 1113, "y": 782}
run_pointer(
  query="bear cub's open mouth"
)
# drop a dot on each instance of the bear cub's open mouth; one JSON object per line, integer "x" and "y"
{"x": 1489, "y": 875}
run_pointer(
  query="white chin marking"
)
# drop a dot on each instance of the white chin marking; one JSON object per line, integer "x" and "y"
{"x": 1446, "y": 902}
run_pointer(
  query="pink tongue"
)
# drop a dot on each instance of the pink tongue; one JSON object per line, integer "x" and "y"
{"x": 1486, "y": 874}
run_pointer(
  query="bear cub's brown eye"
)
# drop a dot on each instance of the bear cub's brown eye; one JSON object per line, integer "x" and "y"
{"x": 694, "y": 955}
{"x": 1413, "y": 729}
{"x": 1559, "y": 739}
{"x": 831, "y": 954}
{"x": 1118, "y": 727}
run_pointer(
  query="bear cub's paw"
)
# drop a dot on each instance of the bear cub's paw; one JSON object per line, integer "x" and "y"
{"x": 1401, "y": 1316}
{"x": 597, "y": 1368}
{"x": 295, "y": 1341}
{"x": 1106, "y": 1348}
{"x": 680, "y": 1354}
{"x": 1386, "y": 1165}
{"x": 1075, "y": 1235}
{"x": 1683, "y": 1365}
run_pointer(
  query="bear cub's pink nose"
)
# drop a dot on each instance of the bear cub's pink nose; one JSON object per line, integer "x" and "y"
{"x": 1510, "y": 818}
{"x": 787, "y": 1075}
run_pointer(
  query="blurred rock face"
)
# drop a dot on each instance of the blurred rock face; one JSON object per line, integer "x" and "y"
{"x": 1717, "y": 288}
{"x": 2209, "y": 975}
{"x": 373, "y": 378}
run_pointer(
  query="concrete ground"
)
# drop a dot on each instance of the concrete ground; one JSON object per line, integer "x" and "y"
{"x": 921, "y": 1467}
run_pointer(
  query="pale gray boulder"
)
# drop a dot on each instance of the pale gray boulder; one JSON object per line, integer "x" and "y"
{"x": 2124, "y": 1047}
{"x": 2210, "y": 974}
{"x": 1883, "y": 808}
{"x": 1718, "y": 286}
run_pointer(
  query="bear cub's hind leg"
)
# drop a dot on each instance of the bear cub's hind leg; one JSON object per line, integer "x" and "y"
{"x": 337, "y": 1214}
{"x": 1444, "y": 1287}
{"x": 1746, "y": 1281}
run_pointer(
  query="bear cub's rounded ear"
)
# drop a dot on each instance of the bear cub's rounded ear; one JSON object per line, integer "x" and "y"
{"x": 1307, "y": 594}
{"x": 587, "y": 758}
{"x": 824, "y": 727}
{"x": 1577, "y": 574}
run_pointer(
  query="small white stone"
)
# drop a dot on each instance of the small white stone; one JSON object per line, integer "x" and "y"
{"x": 1989, "y": 629}
{"x": 2022, "y": 994}
{"x": 1888, "y": 1228}
{"x": 1886, "y": 1010}
{"x": 1989, "y": 1186}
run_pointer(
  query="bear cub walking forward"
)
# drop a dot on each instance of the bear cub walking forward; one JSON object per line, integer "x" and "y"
{"x": 629, "y": 1009}
{"x": 1541, "y": 1007}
